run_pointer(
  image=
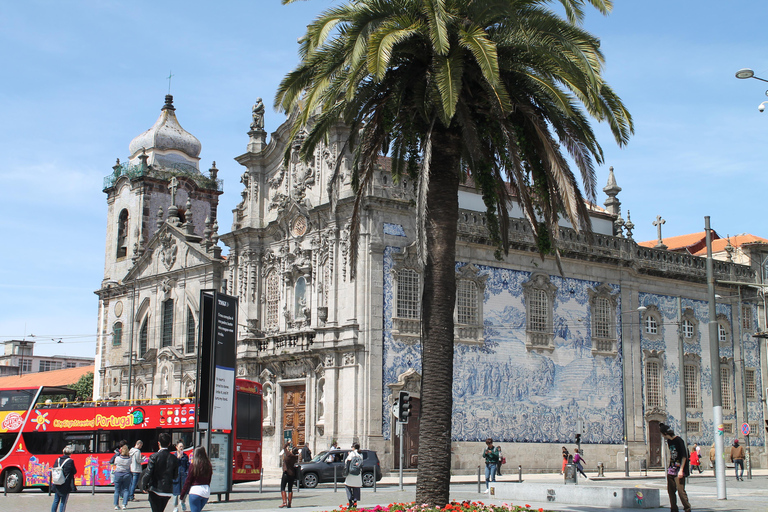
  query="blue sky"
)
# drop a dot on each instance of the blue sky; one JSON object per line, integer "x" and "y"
{"x": 80, "y": 79}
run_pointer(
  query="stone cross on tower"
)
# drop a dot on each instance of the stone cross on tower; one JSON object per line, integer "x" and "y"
{"x": 174, "y": 184}
{"x": 658, "y": 222}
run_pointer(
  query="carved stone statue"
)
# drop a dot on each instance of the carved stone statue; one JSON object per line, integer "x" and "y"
{"x": 258, "y": 116}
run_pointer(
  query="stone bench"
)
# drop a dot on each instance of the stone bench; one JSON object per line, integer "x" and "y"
{"x": 613, "y": 497}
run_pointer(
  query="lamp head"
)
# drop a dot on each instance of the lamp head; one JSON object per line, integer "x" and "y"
{"x": 745, "y": 73}
{"x": 761, "y": 107}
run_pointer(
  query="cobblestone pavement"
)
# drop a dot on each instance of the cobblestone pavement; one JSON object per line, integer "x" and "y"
{"x": 747, "y": 496}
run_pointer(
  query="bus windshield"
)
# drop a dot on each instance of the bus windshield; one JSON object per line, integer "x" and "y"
{"x": 16, "y": 399}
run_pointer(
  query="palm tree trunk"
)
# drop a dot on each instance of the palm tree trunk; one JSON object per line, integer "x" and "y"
{"x": 438, "y": 301}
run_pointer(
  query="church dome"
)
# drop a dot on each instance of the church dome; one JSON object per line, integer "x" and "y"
{"x": 167, "y": 137}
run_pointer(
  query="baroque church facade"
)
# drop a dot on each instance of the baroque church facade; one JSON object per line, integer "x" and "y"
{"x": 612, "y": 346}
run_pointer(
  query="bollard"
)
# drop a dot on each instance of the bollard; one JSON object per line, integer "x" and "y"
{"x": 297, "y": 472}
{"x": 478, "y": 480}
{"x": 93, "y": 484}
{"x": 50, "y": 481}
{"x": 600, "y": 469}
{"x": 374, "y": 479}
{"x": 5, "y": 484}
{"x": 261, "y": 480}
{"x": 335, "y": 483}
{"x": 520, "y": 473}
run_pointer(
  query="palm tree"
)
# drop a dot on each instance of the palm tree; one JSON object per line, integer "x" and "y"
{"x": 499, "y": 91}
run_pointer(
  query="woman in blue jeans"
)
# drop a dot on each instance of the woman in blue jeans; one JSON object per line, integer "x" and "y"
{"x": 198, "y": 481}
{"x": 491, "y": 456}
{"x": 122, "y": 476}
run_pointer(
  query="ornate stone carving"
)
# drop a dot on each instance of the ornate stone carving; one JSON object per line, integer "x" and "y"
{"x": 349, "y": 358}
{"x": 168, "y": 250}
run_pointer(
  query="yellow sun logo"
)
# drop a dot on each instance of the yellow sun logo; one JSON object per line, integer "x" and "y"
{"x": 41, "y": 420}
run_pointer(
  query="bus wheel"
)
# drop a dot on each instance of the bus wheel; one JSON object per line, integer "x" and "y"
{"x": 14, "y": 481}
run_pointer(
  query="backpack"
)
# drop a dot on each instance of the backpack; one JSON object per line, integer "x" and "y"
{"x": 355, "y": 465}
{"x": 57, "y": 472}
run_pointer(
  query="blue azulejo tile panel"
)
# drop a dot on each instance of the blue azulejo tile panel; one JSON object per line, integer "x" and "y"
{"x": 504, "y": 391}
{"x": 393, "y": 229}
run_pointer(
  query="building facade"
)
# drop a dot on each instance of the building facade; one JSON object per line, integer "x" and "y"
{"x": 18, "y": 358}
{"x": 612, "y": 346}
{"x": 616, "y": 343}
{"x": 161, "y": 251}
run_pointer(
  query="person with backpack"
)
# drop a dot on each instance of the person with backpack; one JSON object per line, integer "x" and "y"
{"x": 353, "y": 466}
{"x": 63, "y": 480}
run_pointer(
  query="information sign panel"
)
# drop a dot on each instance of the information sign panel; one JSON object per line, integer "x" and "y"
{"x": 219, "y": 455}
{"x": 224, "y": 355}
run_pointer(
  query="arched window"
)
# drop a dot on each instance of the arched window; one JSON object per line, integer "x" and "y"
{"x": 122, "y": 234}
{"x": 273, "y": 300}
{"x": 143, "y": 338}
{"x": 539, "y": 293}
{"x": 191, "y": 338}
{"x": 168, "y": 323}
{"x": 117, "y": 334}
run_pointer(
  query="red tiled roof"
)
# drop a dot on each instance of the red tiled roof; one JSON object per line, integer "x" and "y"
{"x": 64, "y": 377}
{"x": 692, "y": 242}
{"x": 736, "y": 241}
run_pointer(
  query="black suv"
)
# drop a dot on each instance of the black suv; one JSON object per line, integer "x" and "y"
{"x": 321, "y": 468}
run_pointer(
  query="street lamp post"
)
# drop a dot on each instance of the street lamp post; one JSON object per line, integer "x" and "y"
{"x": 745, "y": 73}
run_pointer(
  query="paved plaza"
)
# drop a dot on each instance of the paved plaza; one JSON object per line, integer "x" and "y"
{"x": 746, "y": 496}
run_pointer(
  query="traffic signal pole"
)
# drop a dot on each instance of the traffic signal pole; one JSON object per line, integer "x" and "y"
{"x": 402, "y": 457}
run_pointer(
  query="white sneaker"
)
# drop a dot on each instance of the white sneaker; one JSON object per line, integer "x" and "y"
{"x": 486, "y": 491}
{"x": 176, "y": 509}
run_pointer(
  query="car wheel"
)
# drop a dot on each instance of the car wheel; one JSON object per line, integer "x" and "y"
{"x": 368, "y": 479}
{"x": 309, "y": 480}
{"x": 14, "y": 481}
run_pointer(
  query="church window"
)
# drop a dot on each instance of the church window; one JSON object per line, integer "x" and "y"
{"x": 725, "y": 387}
{"x": 273, "y": 300}
{"x": 466, "y": 302}
{"x": 168, "y": 323}
{"x": 651, "y": 326}
{"x": 723, "y": 329}
{"x": 122, "y": 234}
{"x": 408, "y": 287}
{"x": 470, "y": 290}
{"x": 750, "y": 386}
{"x": 299, "y": 297}
{"x": 746, "y": 317}
{"x": 406, "y": 293}
{"x": 539, "y": 295}
{"x": 117, "y": 334}
{"x": 143, "y": 338}
{"x": 653, "y": 383}
{"x": 603, "y": 304}
{"x": 688, "y": 329}
{"x": 691, "y": 381}
{"x": 191, "y": 338}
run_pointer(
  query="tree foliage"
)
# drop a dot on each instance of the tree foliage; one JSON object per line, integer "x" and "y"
{"x": 84, "y": 386}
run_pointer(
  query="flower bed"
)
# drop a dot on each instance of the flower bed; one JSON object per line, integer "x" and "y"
{"x": 454, "y": 506}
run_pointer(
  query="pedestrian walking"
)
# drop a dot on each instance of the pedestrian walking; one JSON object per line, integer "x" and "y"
{"x": 712, "y": 457}
{"x": 68, "y": 470}
{"x": 565, "y": 459}
{"x": 306, "y": 453}
{"x": 578, "y": 459}
{"x": 501, "y": 462}
{"x": 678, "y": 469}
{"x": 178, "y": 483}
{"x": 695, "y": 462}
{"x": 491, "y": 456}
{"x": 290, "y": 458}
{"x": 353, "y": 466}
{"x": 161, "y": 471}
{"x": 136, "y": 460}
{"x": 737, "y": 457}
{"x": 121, "y": 473}
{"x": 198, "y": 482}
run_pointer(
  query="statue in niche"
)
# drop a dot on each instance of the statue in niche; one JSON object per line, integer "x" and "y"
{"x": 258, "y": 116}
{"x": 164, "y": 381}
{"x": 321, "y": 401}
{"x": 268, "y": 405}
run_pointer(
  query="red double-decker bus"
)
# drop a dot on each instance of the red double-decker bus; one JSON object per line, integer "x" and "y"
{"x": 37, "y": 423}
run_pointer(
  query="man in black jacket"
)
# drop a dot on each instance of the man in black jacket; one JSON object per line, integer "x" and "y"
{"x": 678, "y": 469}
{"x": 161, "y": 471}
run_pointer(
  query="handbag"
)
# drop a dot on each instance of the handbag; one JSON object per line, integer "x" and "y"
{"x": 503, "y": 460}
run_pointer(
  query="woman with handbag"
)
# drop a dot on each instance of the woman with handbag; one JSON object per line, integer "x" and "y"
{"x": 491, "y": 456}
{"x": 198, "y": 481}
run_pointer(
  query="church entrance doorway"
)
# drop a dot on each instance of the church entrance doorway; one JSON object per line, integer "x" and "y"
{"x": 411, "y": 440}
{"x": 654, "y": 444}
{"x": 294, "y": 414}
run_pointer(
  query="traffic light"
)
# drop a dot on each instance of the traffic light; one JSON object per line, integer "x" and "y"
{"x": 578, "y": 438}
{"x": 403, "y": 407}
